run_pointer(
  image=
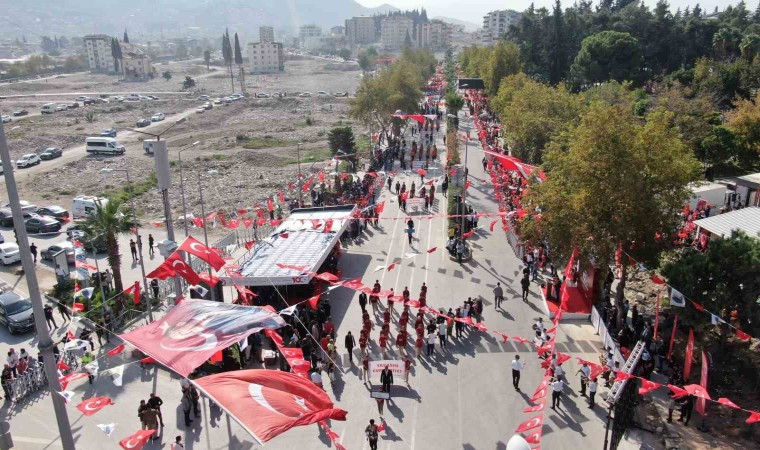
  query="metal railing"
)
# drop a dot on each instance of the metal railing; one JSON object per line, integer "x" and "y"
{"x": 26, "y": 383}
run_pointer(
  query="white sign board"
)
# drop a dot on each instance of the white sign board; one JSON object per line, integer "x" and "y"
{"x": 417, "y": 164}
{"x": 397, "y": 367}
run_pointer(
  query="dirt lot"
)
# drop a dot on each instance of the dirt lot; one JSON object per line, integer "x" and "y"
{"x": 270, "y": 128}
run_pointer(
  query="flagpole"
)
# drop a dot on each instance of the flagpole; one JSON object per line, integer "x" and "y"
{"x": 45, "y": 344}
{"x": 205, "y": 237}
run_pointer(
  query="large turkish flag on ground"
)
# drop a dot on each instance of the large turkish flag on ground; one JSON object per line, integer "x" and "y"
{"x": 269, "y": 402}
{"x": 196, "y": 248}
{"x": 93, "y": 404}
{"x": 196, "y": 329}
{"x": 137, "y": 440}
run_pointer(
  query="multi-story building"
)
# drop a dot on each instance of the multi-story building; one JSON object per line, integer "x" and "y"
{"x": 266, "y": 34}
{"x": 266, "y": 57}
{"x": 435, "y": 34}
{"x": 306, "y": 31}
{"x": 360, "y": 31}
{"x": 394, "y": 30}
{"x": 98, "y": 48}
{"x": 496, "y": 23}
{"x": 338, "y": 30}
{"x": 136, "y": 66}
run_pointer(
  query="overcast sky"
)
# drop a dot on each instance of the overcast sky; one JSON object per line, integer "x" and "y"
{"x": 474, "y": 10}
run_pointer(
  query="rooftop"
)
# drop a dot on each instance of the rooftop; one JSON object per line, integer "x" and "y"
{"x": 746, "y": 220}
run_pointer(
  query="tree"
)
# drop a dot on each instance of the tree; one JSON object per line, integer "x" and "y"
{"x": 188, "y": 84}
{"x": 239, "y": 62}
{"x": 110, "y": 221}
{"x": 407, "y": 40}
{"x": 115, "y": 54}
{"x": 341, "y": 138}
{"x": 618, "y": 182}
{"x": 207, "y": 58}
{"x": 750, "y": 45}
{"x": 454, "y": 102}
{"x": 181, "y": 52}
{"x": 344, "y": 53}
{"x": 365, "y": 62}
{"x": 503, "y": 60}
{"x": 47, "y": 44}
{"x": 609, "y": 55}
{"x": 126, "y": 37}
{"x": 227, "y": 54}
{"x": 744, "y": 121}
{"x": 167, "y": 75}
{"x": 723, "y": 278}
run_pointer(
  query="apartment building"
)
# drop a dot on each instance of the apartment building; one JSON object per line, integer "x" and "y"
{"x": 393, "y": 31}
{"x": 266, "y": 57}
{"x": 266, "y": 34}
{"x": 435, "y": 35}
{"x": 360, "y": 31}
{"x": 136, "y": 66}
{"x": 307, "y": 31}
{"x": 496, "y": 23}
{"x": 98, "y": 49}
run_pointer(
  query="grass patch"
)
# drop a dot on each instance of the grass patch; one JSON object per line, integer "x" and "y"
{"x": 219, "y": 157}
{"x": 127, "y": 192}
{"x": 267, "y": 142}
{"x": 311, "y": 156}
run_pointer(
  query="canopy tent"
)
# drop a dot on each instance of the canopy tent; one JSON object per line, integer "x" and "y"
{"x": 304, "y": 239}
{"x": 745, "y": 219}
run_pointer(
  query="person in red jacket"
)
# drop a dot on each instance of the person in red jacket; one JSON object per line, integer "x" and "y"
{"x": 363, "y": 344}
{"x": 408, "y": 367}
{"x": 419, "y": 343}
{"x": 401, "y": 342}
{"x": 365, "y": 368}
{"x": 383, "y": 343}
{"x": 387, "y": 316}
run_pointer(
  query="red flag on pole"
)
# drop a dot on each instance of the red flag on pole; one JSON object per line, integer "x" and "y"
{"x": 134, "y": 289}
{"x": 217, "y": 357}
{"x": 688, "y": 356}
{"x": 269, "y": 402}
{"x": 136, "y": 441}
{"x": 380, "y": 207}
{"x": 742, "y": 335}
{"x": 700, "y": 406}
{"x": 673, "y": 336}
{"x": 314, "y": 301}
{"x": 647, "y": 386}
{"x": 93, "y": 405}
{"x": 77, "y": 307}
{"x": 179, "y": 267}
{"x": 196, "y": 248}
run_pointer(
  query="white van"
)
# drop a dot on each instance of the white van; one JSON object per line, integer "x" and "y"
{"x": 9, "y": 253}
{"x": 86, "y": 205}
{"x": 104, "y": 145}
{"x": 48, "y": 108}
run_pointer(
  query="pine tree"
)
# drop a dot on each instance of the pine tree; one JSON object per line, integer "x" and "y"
{"x": 407, "y": 40}
{"x": 239, "y": 62}
{"x": 227, "y": 53}
{"x": 126, "y": 37}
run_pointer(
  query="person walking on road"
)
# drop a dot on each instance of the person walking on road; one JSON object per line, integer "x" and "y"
{"x": 584, "y": 371}
{"x": 517, "y": 367}
{"x": 363, "y": 301}
{"x": 525, "y": 282}
{"x": 350, "y": 343}
{"x": 498, "y": 295}
{"x": 155, "y": 402}
{"x": 430, "y": 343}
{"x": 592, "y": 387}
{"x": 133, "y": 249}
{"x": 151, "y": 241}
{"x": 33, "y": 251}
{"x": 371, "y": 433}
{"x": 442, "y": 334}
{"x": 48, "y": 310}
{"x": 386, "y": 378}
{"x": 557, "y": 387}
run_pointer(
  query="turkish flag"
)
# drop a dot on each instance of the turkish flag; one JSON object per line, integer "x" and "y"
{"x": 535, "y": 408}
{"x": 77, "y": 307}
{"x": 196, "y": 248}
{"x": 281, "y": 197}
{"x": 63, "y": 366}
{"x": 677, "y": 391}
{"x": 181, "y": 268}
{"x": 269, "y": 402}
{"x": 328, "y": 226}
{"x": 326, "y": 276}
{"x": 726, "y": 402}
{"x": 688, "y": 356}
{"x": 657, "y": 280}
{"x": 647, "y": 386}
{"x": 162, "y": 272}
{"x": 534, "y": 437}
{"x": 493, "y": 224}
{"x": 93, "y": 405}
{"x": 116, "y": 350}
{"x": 209, "y": 279}
{"x": 697, "y": 306}
{"x": 391, "y": 266}
{"x": 380, "y": 207}
{"x": 148, "y": 360}
{"x": 521, "y": 340}
{"x": 697, "y": 391}
{"x": 503, "y": 336}
{"x": 742, "y": 335}
{"x": 530, "y": 424}
{"x": 196, "y": 329}
{"x": 754, "y": 416}
{"x": 198, "y": 222}
{"x": 66, "y": 379}
{"x": 233, "y": 223}
{"x": 468, "y": 234}
{"x": 249, "y": 245}
{"x": 314, "y": 301}
{"x": 246, "y": 294}
{"x": 137, "y": 440}
{"x": 134, "y": 289}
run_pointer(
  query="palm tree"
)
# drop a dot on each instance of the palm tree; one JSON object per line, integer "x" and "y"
{"x": 110, "y": 222}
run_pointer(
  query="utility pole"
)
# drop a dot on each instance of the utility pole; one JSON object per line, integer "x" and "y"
{"x": 205, "y": 235}
{"x": 45, "y": 344}
{"x": 300, "y": 188}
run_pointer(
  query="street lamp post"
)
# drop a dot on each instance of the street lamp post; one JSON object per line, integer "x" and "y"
{"x": 205, "y": 234}
{"x": 139, "y": 239}
{"x": 45, "y": 344}
{"x": 182, "y": 185}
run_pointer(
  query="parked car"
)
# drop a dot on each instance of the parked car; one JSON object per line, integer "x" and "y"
{"x": 6, "y": 216}
{"x": 305, "y": 94}
{"x": 9, "y": 253}
{"x": 143, "y": 123}
{"x": 20, "y": 112}
{"x": 323, "y": 94}
{"x": 67, "y": 246}
{"x": 6, "y": 118}
{"x": 51, "y": 153}
{"x": 152, "y": 97}
{"x": 108, "y": 132}
{"x": 217, "y": 101}
{"x": 16, "y": 312}
{"x": 2, "y": 239}
{"x": 117, "y": 98}
{"x": 278, "y": 94}
{"x": 42, "y": 225}
{"x": 73, "y": 105}
{"x": 133, "y": 98}
{"x": 26, "y": 206}
{"x": 76, "y": 233}
{"x": 157, "y": 117}
{"x": 81, "y": 98}
{"x": 341, "y": 94}
{"x": 28, "y": 160}
{"x": 54, "y": 211}
{"x": 89, "y": 101}
{"x": 208, "y": 105}
{"x": 226, "y": 101}
{"x": 200, "y": 110}
{"x": 203, "y": 98}
{"x": 62, "y": 107}
{"x": 262, "y": 95}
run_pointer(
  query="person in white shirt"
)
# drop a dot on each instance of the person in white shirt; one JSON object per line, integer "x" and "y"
{"x": 585, "y": 371}
{"x": 557, "y": 387}
{"x": 592, "y": 387}
{"x": 316, "y": 378}
{"x": 540, "y": 325}
{"x": 12, "y": 361}
{"x": 559, "y": 373}
{"x": 517, "y": 367}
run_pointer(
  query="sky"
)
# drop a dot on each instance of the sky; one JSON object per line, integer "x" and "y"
{"x": 474, "y": 10}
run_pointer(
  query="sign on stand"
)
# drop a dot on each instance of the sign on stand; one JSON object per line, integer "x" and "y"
{"x": 396, "y": 366}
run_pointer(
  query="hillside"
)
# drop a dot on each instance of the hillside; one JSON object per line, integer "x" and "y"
{"x": 199, "y": 18}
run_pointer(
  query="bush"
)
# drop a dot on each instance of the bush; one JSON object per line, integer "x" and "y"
{"x": 309, "y": 121}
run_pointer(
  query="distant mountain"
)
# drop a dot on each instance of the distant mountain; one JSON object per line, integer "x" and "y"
{"x": 174, "y": 17}
{"x": 468, "y": 26}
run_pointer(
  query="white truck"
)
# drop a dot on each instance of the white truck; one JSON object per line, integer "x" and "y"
{"x": 106, "y": 145}
{"x": 48, "y": 108}
{"x": 86, "y": 205}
